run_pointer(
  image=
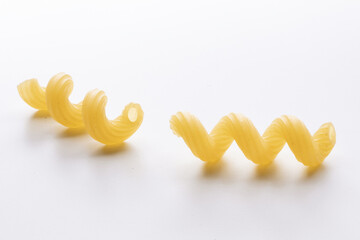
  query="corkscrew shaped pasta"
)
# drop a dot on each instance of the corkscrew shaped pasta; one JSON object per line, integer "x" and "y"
{"x": 33, "y": 94}
{"x": 54, "y": 98}
{"x": 309, "y": 150}
{"x": 89, "y": 114}
{"x": 109, "y": 131}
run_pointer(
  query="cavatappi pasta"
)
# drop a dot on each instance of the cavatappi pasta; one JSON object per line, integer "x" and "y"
{"x": 90, "y": 113}
{"x": 309, "y": 150}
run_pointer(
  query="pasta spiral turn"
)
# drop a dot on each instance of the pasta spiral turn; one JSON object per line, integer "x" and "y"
{"x": 309, "y": 150}
{"x": 54, "y": 98}
{"x": 89, "y": 114}
{"x": 109, "y": 131}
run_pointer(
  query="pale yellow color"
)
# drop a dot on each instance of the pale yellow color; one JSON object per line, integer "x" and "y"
{"x": 60, "y": 108}
{"x": 54, "y": 98}
{"x": 109, "y": 131}
{"x": 309, "y": 150}
{"x": 89, "y": 114}
{"x": 33, "y": 94}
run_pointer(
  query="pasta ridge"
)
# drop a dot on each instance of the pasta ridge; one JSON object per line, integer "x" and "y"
{"x": 89, "y": 113}
{"x": 210, "y": 147}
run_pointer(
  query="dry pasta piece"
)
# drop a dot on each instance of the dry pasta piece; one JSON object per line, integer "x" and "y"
{"x": 60, "y": 108}
{"x": 109, "y": 131}
{"x": 89, "y": 114}
{"x": 54, "y": 98}
{"x": 309, "y": 150}
{"x": 33, "y": 94}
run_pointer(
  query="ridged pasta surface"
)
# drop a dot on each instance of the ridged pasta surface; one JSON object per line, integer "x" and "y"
{"x": 33, "y": 94}
{"x": 90, "y": 113}
{"x": 54, "y": 98}
{"x": 309, "y": 150}
{"x": 109, "y": 131}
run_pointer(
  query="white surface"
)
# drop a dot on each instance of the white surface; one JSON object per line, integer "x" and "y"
{"x": 263, "y": 59}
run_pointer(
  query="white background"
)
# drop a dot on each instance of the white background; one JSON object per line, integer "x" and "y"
{"x": 260, "y": 58}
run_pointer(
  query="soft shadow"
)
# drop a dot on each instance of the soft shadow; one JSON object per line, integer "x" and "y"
{"x": 212, "y": 169}
{"x": 112, "y": 149}
{"x": 41, "y": 114}
{"x": 266, "y": 171}
{"x": 38, "y": 127}
{"x": 72, "y": 132}
{"x": 311, "y": 172}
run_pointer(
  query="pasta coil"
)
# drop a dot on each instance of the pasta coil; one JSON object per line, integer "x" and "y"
{"x": 309, "y": 150}
{"x": 109, "y": 131}
{"x": 90, "y": 113}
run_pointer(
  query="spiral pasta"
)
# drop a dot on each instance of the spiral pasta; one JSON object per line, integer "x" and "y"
{"x": 89, "y": 114}
{"x": 309, "y": 150}
{"x": 54, "y": 98}
{"x": 109, "y": 131}
{"x": 33, "y": 94}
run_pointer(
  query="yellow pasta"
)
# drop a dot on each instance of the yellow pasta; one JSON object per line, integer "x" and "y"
{"x": 60, "y": 108}
{"x": 54, "y": 98}
{"x": 109, "y": 131}
{"x": 33, "y": 94}
{"x": 89, "y": 114}
{"x": 309, "y": 150}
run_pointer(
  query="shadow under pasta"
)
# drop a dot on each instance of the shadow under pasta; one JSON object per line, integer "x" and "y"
{"x": 108, "y": 150}
{"x": 266, "y": 171}
{"x": 72, "y": 132}
{"x": 212, "y": 169}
